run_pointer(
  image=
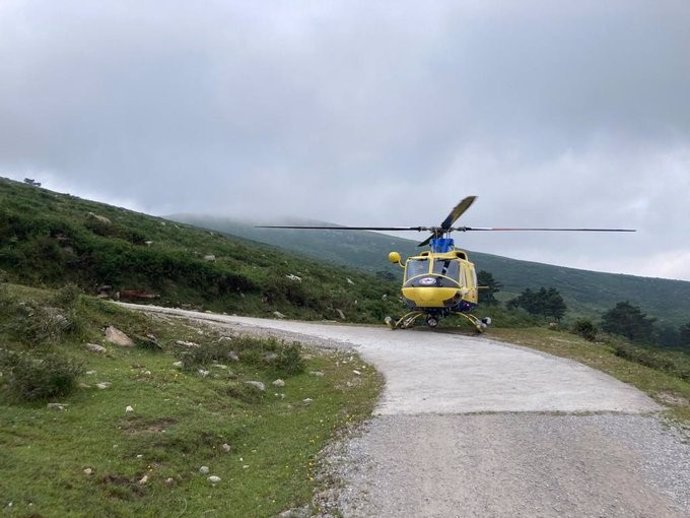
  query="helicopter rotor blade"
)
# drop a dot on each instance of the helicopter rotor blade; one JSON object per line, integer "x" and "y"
{"x": 536, "y": 229}
{"x": 457, "y": 211}
{"x": 318, "y": 227}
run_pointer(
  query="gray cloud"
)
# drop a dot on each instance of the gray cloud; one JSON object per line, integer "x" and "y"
{"x": 385, "y": 113}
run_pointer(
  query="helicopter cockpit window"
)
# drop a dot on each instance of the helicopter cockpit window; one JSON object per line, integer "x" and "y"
{"x": 447, "y": 267}
{"x": 416, "y": 267}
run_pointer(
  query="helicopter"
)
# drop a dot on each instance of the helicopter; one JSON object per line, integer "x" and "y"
{"x": 441, "y": 281}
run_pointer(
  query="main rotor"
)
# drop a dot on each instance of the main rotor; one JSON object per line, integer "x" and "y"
{"x": 439, "y": 239}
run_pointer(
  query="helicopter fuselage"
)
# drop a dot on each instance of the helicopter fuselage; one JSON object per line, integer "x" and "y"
{"x": 440, "y": 282}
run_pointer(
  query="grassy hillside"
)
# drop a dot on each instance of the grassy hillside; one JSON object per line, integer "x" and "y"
{"x": 48, "y": 239}
{"x": 586, "y": 293}
{"x": 125, "y": 431}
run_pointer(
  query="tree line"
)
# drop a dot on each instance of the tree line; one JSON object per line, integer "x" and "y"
{"x": 624, "y": 319}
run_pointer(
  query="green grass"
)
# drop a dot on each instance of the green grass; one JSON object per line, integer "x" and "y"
{"x": 668, "y": 388}
{"x": 181, "y": 421}
{"x": 49, "y": 239}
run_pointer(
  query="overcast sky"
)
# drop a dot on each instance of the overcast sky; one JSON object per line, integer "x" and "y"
{"x": 555, "y": 113}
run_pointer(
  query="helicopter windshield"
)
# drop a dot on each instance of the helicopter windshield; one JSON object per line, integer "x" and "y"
{"x": 447, "y": 267}
{"x": 416, "y": 267}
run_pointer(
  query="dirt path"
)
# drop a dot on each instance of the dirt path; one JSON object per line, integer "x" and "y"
{"x": 472, "y": 427}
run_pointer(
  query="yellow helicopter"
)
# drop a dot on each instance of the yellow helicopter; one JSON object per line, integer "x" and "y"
{"x": 441, "y": 281}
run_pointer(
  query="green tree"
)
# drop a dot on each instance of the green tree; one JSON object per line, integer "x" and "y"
{"x": 684, "y": 333}
{"x": 554, "y": 305}
{"x": 490, "y": 287}
{"x": 668, "y": 336}
{"x": 585, "y": 328}
{"x": 547, "y": 303}
{"x": 629, "y": 321}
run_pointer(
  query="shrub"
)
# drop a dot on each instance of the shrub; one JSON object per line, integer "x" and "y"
{"x": 289, "y": 360}
{"x": 30, "y": 379}
{"x": 68, "y": 296}
{"x": 35, "y": 325}
{"x": 585, "y": 328}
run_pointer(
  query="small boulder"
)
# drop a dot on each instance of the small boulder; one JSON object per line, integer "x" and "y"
{"x": 56, "y": 406}
{"x": 257, "y": 385}
{"x": 213, "y": 479}
{"x": 95, "y": 348}
{"x": 226, "y": 448}
{"x": 101, "y": 219}
{"x": 204, "y": 470}
{"x": 278, "y": 314}
{"x": 117, "y": 337}
{"x": 278, "y": 383}
{"x": 129, "y": 409}
{"x": 210, "y": 258}
{"x": 183, "y": 343}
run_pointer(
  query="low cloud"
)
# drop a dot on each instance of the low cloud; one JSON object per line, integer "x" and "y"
{"x": 553, "y": 113}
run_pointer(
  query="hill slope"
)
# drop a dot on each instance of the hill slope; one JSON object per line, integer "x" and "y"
{"x": 586, "y": 292}
{"x": 49, "y": 239}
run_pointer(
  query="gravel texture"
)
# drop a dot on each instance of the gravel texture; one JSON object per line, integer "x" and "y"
{"x": 469, "y": 427}
{"x": 513, "y": 464}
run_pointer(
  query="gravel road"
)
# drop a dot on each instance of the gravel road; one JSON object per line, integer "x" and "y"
{"x": 470, "y": 427}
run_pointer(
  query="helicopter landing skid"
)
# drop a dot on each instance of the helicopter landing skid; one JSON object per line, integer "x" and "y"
{"x": 480, "y": 324}
{"x": 407, "y": 320}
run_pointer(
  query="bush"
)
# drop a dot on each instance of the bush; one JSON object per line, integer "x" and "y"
{"x": 35, "y": 325}
{"x": 289, "y": 360}
{"x": 30, "y": 379}
{"x": 585, "y": 328}
{"x": 68, "y": 296}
